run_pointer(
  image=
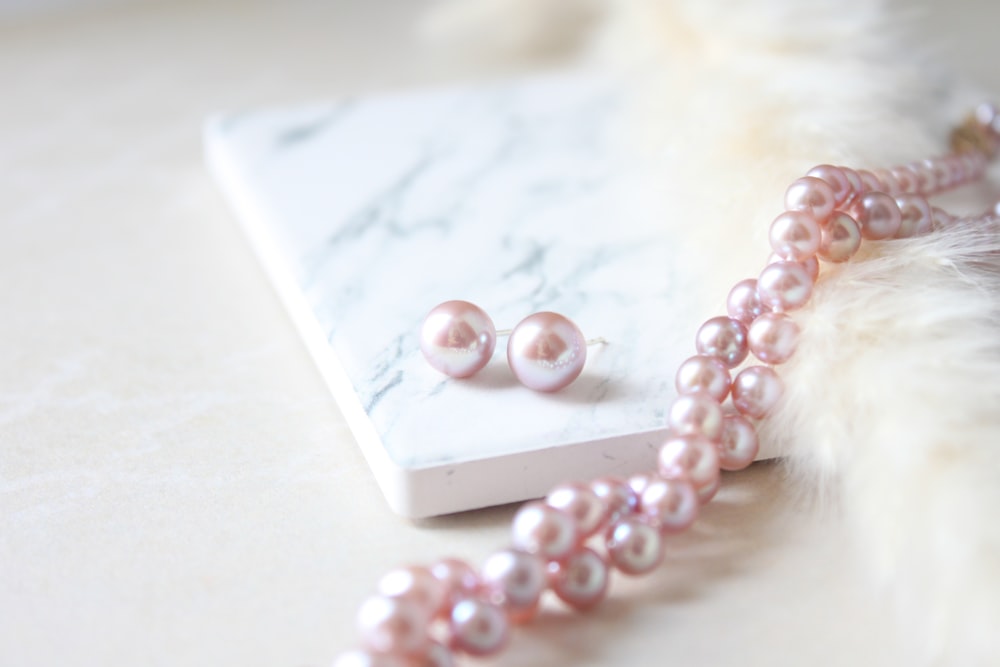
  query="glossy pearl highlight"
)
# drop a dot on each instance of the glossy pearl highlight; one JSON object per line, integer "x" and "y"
{"x": 870, "y": 181}
{"x": 812, "y": 195}
{"x": 723, "y": 338}
{"x": 671, "y": 503}
{"x": 582, "y": 580}
{"x": 695, "y": 414}
{"x": 915, "y": 214}
{"x": 544, "y": 530}
{"x": 739, "y": 445}
{"x": 702, "y": 373}
{"x": 878, "y": 216}
{"x": 546, "y": 351}
{"x": 514, "y": 580}
{"x": 477, "y": 627}
{"x": 810, "y": 264}
{"x": 690, "y": 457}
{"x": 458, "y": 578}
{"x": 458, "y": 338}
{"x": 635, "y": 545}
{"x": 835, "y": 178}
{"x": 393, "y": 625}
{"x": 756, "y": 390}
{"x": 905, "y": 179}
{"x": 617, "y": 495}
{"x": 784, "y": 286}
{"x": 840, "y": 238}
{"x": 417, "y": 584}
{"x": 743, "y": 303}
{"x": 578, "y": 500}
{"x": 773, "y": 338}
{"x": 795, "y": 235}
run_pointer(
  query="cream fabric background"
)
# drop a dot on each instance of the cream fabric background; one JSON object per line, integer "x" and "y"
{"x": 176, "y": 485}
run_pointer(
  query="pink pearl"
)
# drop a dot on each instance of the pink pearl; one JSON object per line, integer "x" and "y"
{"x": 956, "y": 170}
{"x": 692, "y": 458}
{"x": 580, "y": 502}
{"x": 417, "y": 584}
{"x": 942, "y": 176}
{"x": 870, "y": 182}
{"x": 477, "y": 627}
{"x": 906, "y": 179}
{"x": 369, "y": 659}
{"x": 723, "y": 338}
{"x": 794, "y": 235}
{"x": 672, "y": 503}
{"x": 546, "y": 351}
{"x": 835, "y": 178}
{"x": 619, "y": 497}
{"x": 756, "y": 390}
{"x": 393, "y": 625}
{"x": 697, "y": 414}
{"x": 854, "y": 182}
{"x": 841, "y": 238}
{"x": 458, "y": 338}
{"x": 635, "y": 545}
{"x": 743, "y": 303}
{"x": 739, "y": 445}
{"x": 704, "y": 373}
{"x": 459, "y": 578}
{"x": 813, "y": 196}
{"x": 915, "y": 216}
{"x": 435, "y": 655}
{"x": 923, "y": 178}
{"x": 811, "y": 265}
{"x": 515, "y": 580}
{"x": 639, "y": 481}
{"x": 544, "y": 530}
{"x": 890, "y": 184}
{"x": 581, "y": 581}
{"x": 784, "y": 286}
{"x": 878, "y": 216}
{"x": 773, "y": 338}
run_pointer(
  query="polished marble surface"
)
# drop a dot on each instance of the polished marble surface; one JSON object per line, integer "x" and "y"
{"x": 515, "y": 195}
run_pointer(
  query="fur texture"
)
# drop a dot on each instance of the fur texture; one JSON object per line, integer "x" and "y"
{"x": 891, "y": 412}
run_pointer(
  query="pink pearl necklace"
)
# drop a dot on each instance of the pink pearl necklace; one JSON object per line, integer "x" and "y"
{"x": 425, "y": 616}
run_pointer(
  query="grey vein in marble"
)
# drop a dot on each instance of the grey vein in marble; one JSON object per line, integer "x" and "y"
{"x": 511, "y": 196}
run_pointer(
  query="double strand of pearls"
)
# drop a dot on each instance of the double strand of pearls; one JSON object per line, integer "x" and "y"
{"x": 568, "y": 543}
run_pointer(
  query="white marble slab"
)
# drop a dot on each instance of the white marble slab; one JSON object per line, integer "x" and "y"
{"x": 369, "y": 212}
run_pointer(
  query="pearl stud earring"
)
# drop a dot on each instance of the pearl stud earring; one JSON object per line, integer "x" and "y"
{"x": 458, "y": 338}
{"x": 546, "y": 351}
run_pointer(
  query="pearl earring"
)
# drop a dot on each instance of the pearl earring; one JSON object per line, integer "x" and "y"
{"x": 458, "y": 338}
{"x": 546, "y": 351}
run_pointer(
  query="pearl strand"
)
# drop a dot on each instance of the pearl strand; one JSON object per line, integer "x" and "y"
{"x": 570, "y": 542}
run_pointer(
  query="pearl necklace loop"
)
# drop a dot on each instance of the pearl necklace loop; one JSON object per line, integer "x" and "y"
{"x": 570, "y": 542}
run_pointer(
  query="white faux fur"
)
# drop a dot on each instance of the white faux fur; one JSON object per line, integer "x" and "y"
{"x": 892, "y": 407}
